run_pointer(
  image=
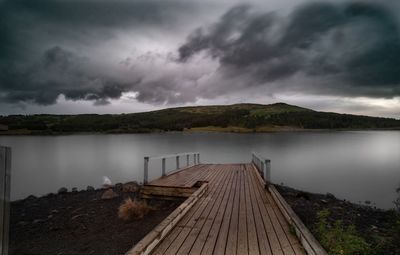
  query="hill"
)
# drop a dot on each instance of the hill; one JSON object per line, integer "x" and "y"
{"x": 233, "y": 118}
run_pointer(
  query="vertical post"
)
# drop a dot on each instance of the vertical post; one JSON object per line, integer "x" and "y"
{"x": 194, "y": 159}
{"x": 5, "y": 182}
{"x": 187, "y": 160}
{"x": 267, "y": 171}
{"x": 177, "y": 162}
{"x": 146, "y": 170}
{"x": 163, "y": 167}
{"x": 262, "y": 169}
{"x": 198, "y": 158}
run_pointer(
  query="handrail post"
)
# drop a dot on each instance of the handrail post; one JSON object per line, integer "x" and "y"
{"x": 5, "y": 182}
{"x": 187, "y": 160}
{"x": 194, "y": 159}
{"x": 146, "y": 170}
{"x": 267, "y": 171}
{"x": 198, "y": 158}
{"x": 262, "y": 169}
{"x": 177, "y": 162}
{"x": 163, "y": 167}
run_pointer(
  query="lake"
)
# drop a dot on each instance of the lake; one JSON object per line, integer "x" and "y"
{"x": 353, "y": 165}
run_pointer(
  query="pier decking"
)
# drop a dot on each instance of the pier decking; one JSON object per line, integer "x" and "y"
{"x": 235, "y": 216}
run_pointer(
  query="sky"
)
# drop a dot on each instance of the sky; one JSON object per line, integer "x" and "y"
{"x": 120, "y": 56}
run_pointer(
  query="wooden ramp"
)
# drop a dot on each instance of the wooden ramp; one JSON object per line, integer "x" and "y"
{"x": 236, "y": 215}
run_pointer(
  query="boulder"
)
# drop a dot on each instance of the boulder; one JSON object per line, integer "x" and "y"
{"x": 330, "y": 195}
{"x": 130, "y": 187}
{"x": 109, "y": 194}
{"x": 62, "y": 190}
{"x": 118, "y": 187}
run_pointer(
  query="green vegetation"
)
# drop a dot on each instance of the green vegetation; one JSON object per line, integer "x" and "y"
{"x": 229, "y": 118}
{"x": 338, "y": 239}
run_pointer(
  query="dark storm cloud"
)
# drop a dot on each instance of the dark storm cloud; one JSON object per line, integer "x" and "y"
{"x": 33, "y": 70}
{"x": 50, "y": 48}
{"x": 58, "y": 72}
{"x": 354, "y": 46}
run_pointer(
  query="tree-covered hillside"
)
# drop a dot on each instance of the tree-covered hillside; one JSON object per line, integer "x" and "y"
{"x": 243, "y": 117}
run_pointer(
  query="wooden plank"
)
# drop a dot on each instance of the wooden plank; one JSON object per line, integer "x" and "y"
{"x": 177, "y": 230}
{"x": 263, "y": 239}
{"x": 310, "y": 244}
{"x": 270, "y": 231}
{"x": 294, "y": 242}
{"x": 150, "y": 241}
{"x": 220, "y": 245}
{"x": 167, "y": 191}
{"x": 242, "y": 227}
{"x": 174, "y": 241}
{"x": 213, "y": 216}
{"x": 231, "y": 245}
{"x": 237, "y": 216}
{"x": 207, "y": 215}
{"x": 251, "y": 224}
{"x": 215, "y": 230}
{"x": 174, "y": 247}
{"x": 283, "y": 240}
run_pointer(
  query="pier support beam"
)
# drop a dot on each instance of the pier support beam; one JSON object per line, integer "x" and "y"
{"x": 5, "y": 182}
{"x": 163, "y": 173}
{"x": 146, "y": 170}
{"x": 177, "y": 162}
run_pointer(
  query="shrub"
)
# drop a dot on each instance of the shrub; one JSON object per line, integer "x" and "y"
{"x": 337, "y": 239}
{"x": 130, "y": 210}
{"x": 397, "y": 201}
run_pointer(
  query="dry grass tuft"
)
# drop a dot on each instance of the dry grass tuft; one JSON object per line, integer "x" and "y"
{"x": 132, "y": 209}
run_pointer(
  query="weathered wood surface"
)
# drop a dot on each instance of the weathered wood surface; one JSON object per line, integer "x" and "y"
{"x": 237, "y": 215}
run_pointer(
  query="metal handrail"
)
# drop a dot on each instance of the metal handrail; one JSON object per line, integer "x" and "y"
{"x": 196, "y": 160}
{"x": 263, "y": 165}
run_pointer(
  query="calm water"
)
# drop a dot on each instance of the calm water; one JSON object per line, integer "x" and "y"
{"x": 357, "y": 166}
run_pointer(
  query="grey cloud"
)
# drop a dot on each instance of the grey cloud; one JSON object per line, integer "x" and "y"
{"x": 354, "y": 45}
{"x": 59, "y": 71}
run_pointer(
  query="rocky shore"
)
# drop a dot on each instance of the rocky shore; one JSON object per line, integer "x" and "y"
{"x": 86, "y": 222}
{"x": 81, "y": 222}
{"x": 379, "y": 228}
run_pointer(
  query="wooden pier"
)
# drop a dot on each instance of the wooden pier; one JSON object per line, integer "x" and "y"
{"x": 230, "y": 209}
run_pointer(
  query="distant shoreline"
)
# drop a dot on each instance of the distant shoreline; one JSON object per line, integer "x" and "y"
{"x": 209, "y": 129}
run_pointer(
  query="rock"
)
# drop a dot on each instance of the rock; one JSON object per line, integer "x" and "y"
{"x": 49, "y": 195}
{"x": 37, "y": 221}
{"x": 74, "y": 189}
{"x": 62, "y": 190}
{"x": 89, "y": 188}
{"x": 22, "y": 223}
{"x": 106, "y": 182}
{"x": 118, "y": 186}
{"x": 54, "y": 211}
{"x": 330, "y": 196}
{"x": 324, "y": 201}
{"x": 130, "y": 187}
{"x": 31, "y": 197}
{"x": 109, "y": 194}
{"x": 302, "y": 194}
{"x": 78, "y": 216}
